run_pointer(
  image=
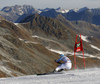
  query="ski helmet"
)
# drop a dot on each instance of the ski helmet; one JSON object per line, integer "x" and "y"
{"x": 61, "y": 55}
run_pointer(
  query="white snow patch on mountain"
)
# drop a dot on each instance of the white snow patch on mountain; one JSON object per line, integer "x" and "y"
{"x": 82, "y": 9}
{"x": 95, "y": 47}
{"x": 16, "y": 23}
{"x": 76, "y": 9}
{"x": 85, "y": 38}
{"x": 26, "y": 41}
{"x": 5, "y": 70}
{"x": 31, "y": 42}
{"x": 87, "y": 76}
{"x": 72, "y": 53}
{"x": 35, "y": 36}
{"x": 61, "y": 10}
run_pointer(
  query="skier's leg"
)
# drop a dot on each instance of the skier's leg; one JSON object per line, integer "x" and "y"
{"x": 60, "y": 68}
{"x": 68, "y": 66}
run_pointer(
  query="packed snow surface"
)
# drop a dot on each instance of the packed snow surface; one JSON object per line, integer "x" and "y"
{"x": 86, "y": 76}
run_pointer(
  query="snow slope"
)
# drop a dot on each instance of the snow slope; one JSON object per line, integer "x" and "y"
{"x": 87, "y": 76}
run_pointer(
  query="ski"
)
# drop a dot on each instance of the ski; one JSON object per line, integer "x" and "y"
{"x": 50, "y": 73}
{"x": 45, "y": 73}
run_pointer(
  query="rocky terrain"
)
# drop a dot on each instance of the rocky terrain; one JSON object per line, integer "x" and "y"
{"x": 82, "y": 27}
{"x": 25, "y": 47}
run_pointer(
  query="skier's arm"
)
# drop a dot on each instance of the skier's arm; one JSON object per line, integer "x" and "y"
{"x": 59, "y": 59}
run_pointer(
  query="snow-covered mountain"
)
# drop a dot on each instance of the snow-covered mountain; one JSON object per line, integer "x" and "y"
{"x": 61, "y": 10}
{"x": 82, "y": 9}
{"x": 96, "y": 11}
{"x": 17, "y": 12}
{"x": 83, "y": 14}
{"x": 46, "y": 9}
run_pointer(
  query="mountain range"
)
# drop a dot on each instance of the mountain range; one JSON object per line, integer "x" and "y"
{"x": 17, "y": 13}
{"x": 83, "y": 14}
{"x": 31, "y": 46}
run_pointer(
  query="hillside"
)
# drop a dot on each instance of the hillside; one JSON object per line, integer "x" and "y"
{"x": 82, "y": 27}
{"x": 65, "y": 44}
{"x": 24, "y": 47}
{"x": 50, "y": 28}
{"x": 17, "y": 57}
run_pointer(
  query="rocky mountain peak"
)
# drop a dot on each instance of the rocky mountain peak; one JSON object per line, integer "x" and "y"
{"x": 83, "y": 9}
{"x": 17, "y": 12}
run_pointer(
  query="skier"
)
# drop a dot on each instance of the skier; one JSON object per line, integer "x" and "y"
{"x": 65, "y": 65}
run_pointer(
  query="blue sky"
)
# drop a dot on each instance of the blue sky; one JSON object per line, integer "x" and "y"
{"x": 68, "y": 4}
